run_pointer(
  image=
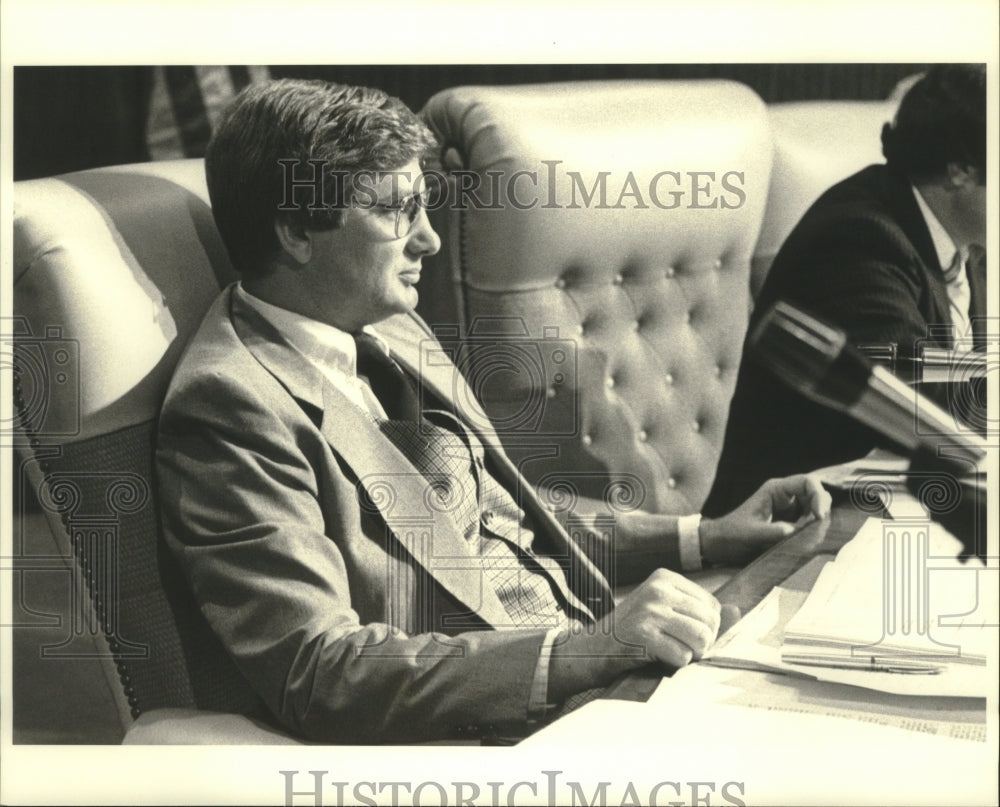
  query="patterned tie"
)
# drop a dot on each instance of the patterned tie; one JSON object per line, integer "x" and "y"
{"x": 389, "y": 383}
{"x": 438, "y": 446}
{"x": 444, "y": 457}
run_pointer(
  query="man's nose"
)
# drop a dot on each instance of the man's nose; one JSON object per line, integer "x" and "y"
{"x": 423, "y": 239}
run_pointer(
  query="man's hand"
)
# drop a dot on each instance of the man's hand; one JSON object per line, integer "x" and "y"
{"x": 667, "y": 619}
{"x": 775, "y": 511}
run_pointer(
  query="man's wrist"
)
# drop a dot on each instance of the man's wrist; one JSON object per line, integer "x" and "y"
{"x": 708, "y": 537}
{"x": 585, "y": 658}
{"x": 689, "y": 542}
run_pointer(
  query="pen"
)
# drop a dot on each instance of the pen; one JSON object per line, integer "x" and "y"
{"x": 871, "y": 664}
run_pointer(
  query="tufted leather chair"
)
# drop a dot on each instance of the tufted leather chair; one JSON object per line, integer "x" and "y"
{"x": 615, "y": 324}
{"x": 113, "y": 270}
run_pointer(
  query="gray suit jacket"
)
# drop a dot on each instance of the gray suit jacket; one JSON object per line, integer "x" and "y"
{"x": 351, "y": 604}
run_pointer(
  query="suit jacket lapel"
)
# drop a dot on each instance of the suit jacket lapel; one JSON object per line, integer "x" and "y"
{"x": 394, "y": 489}
{"x": 899, "y": 192}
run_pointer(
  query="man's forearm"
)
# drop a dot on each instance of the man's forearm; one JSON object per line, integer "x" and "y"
{"x": 627, "y": 546}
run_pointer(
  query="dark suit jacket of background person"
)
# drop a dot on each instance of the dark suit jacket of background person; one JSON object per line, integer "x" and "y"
{"x": 862, "y": 259}
{"x": 260, "y": 463}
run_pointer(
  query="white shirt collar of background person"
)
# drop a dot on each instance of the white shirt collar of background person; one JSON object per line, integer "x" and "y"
{"x": 957, "y": 283}
{"x": 330, "y": 350}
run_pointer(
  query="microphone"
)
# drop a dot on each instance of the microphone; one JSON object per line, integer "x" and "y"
{"x": 934, "y": 365}
{"x": 815, "y": 359}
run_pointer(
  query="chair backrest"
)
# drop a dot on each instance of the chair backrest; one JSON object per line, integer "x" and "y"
{"x": 113, "y": 269}
{"x": 598, "y": 275}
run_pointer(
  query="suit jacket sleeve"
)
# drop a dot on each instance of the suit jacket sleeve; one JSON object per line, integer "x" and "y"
{"x": 245, "y": 508}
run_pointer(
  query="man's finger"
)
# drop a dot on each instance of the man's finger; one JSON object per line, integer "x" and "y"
{"x": 694, "y": 634}
{"x": 670, "y": 651}
{"x": 666, "y": 580}
{"x": 818, "y": 496}
{"x": 768, "y": 533}
{"x": 804, "y": 490}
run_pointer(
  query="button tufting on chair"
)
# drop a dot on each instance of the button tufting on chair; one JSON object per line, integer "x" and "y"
{"x": 657, "y": 258}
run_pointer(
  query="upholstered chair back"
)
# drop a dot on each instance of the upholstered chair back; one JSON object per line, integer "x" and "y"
{"x": 596, "y": 254}
{"x": 113, "y": 270}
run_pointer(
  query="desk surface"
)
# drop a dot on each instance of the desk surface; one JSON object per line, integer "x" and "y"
{"x": 782, "y": 740}
{"x": 747, "y": 587}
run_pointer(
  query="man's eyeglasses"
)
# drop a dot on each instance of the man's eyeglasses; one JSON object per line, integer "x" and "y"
{"x": 406, "y": 212}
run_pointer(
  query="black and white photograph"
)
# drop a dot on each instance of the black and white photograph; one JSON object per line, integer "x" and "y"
{"x": 494, "y": 406}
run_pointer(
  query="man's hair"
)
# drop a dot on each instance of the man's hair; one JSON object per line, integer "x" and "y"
{"x": 347, "y": 129}
{"x": 941, "y": 120}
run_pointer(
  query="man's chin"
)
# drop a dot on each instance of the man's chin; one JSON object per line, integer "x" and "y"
{"x": 403, "y": 303}
{"x": 410, "y": 299}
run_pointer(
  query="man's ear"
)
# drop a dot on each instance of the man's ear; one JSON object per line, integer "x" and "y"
{"x": 295, "y": 239}
{"x": 961, "y": 175}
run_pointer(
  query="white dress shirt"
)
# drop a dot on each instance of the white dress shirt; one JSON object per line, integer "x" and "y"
{"x": 328, "y": 349}
{"x": 959, "y": 296}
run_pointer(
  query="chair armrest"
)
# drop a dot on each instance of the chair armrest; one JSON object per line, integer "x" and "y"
{"x": 195, "y": 727}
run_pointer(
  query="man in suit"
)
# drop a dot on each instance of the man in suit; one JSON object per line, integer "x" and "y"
{"x": 343, "y": 510}
{"x": 893, "y": 255}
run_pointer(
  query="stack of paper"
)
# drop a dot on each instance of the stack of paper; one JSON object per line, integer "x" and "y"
{"x": 897, "y": 604}
{"x": 835, "y": 615}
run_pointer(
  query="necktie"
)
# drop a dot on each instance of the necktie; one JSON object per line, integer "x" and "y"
{"x": 959, "y": 298}
{"x": 392, "y": 388}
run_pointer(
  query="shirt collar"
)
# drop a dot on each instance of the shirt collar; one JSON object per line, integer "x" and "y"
{"x": 320, "y": 343}
{"x": 943, "y": 245}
